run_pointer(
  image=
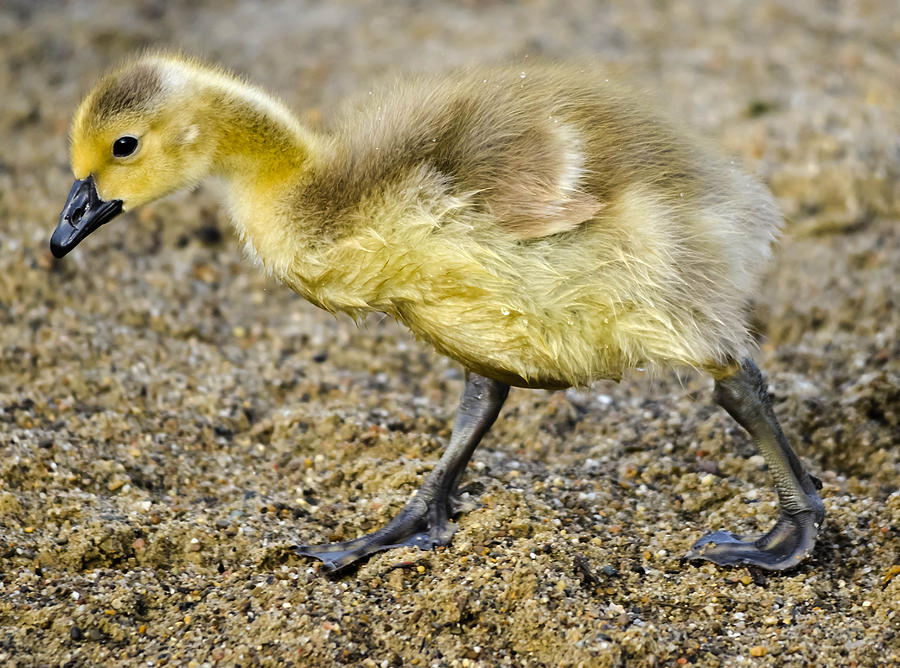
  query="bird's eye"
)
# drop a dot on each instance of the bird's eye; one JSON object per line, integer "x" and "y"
{"x": 124, "y": 146}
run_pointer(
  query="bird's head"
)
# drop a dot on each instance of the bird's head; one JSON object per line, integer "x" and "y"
{"x": 136, "y": 137}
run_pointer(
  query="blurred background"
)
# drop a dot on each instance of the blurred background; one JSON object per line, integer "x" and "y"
{"x": 171, "y": 421}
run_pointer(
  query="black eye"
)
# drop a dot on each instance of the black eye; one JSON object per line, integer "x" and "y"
{"x": 125, "y": 146}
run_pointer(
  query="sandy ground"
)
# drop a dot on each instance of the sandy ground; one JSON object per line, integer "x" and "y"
{"x": 171, "y": 423}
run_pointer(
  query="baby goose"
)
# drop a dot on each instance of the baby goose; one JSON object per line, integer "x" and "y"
{"x": 542, "y": 227}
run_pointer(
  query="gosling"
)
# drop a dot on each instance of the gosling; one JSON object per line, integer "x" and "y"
{"x": 542, "y": 226}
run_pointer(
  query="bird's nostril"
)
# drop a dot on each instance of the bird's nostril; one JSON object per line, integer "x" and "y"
{"x": 76, "y": 215}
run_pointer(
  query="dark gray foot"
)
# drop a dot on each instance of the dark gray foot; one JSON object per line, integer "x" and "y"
{"x": 744, "y": 396}
{"x": 425, "y": 521}
{"x": 416, "y": 525}
{"x": 784, "y": 546}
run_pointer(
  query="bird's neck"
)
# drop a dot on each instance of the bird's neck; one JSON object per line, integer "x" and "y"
{"x": 257, "y": 139}
{"x": 262, "y": 153}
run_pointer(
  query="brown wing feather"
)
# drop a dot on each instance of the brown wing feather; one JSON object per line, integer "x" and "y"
{"x": 501, "y": 141}
{"x": 504, "y": 143}
{"x": 542, "y": 214}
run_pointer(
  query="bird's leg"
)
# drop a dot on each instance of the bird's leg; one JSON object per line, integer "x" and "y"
{"x": 425, "y": 521}
{"x": 743, "y": 394}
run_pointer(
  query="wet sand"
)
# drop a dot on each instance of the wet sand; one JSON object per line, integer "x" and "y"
{"x": 171, "y": 422}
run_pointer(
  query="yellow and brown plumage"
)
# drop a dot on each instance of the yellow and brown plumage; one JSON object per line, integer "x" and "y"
{"x": 545, "y": 227}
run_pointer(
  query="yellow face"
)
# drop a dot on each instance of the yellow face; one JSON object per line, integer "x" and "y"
{"x": 139, "y": 158}
{"x": 134, "y": 140}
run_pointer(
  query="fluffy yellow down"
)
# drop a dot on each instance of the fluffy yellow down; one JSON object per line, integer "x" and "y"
{"x": 544, "y": 232}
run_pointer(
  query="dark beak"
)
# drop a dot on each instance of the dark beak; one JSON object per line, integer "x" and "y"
{"x": 83, "y": 213}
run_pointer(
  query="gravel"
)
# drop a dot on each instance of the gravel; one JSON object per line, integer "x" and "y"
{"x": 171, "y": 422}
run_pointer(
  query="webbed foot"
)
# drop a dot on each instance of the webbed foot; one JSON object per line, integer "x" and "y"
{"x": 784, "y": 546}
{"x": 417, "y": 525}
{"x": 744, "y": 395}
{"x": 425, "y": 521}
